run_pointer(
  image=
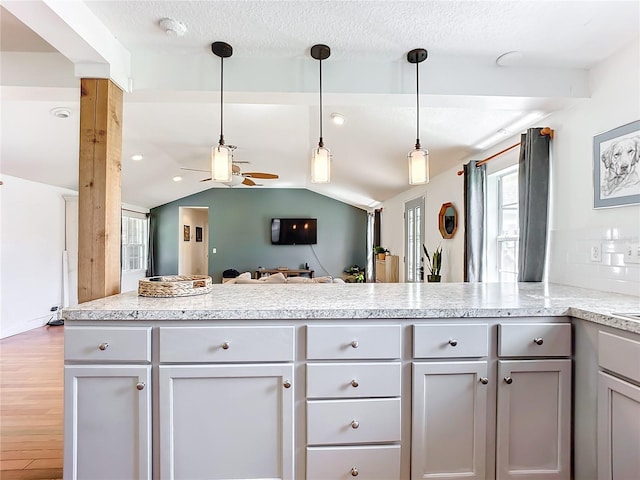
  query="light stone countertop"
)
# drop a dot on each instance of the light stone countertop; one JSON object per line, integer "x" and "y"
{"x": 370, "y": 300}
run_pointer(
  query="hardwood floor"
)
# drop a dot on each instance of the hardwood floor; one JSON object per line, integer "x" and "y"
{"x": 31, "y": 399}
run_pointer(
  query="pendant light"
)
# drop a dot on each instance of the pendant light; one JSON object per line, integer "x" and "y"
{"x": 321, "y": 157}
{"x": 418, "y": 158}
{"x": 221, "y": 157}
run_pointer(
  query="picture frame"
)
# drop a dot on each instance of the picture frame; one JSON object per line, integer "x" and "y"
{"x": 186, "y": 233}
{"x": 198, "y": 234}
{"x": 616, "y": 166}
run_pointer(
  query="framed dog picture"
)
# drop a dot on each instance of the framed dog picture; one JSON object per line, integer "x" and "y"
{"x": 616, "y": 166}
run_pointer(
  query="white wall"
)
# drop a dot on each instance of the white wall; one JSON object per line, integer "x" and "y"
{"x": 574, "y": 224}
{"x": 32, "y": 241}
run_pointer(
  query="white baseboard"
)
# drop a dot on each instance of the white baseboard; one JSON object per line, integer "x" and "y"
{"x": 24, "y": 326}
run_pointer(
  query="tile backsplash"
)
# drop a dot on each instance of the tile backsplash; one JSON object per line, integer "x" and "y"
{"x": 573, "y": 261}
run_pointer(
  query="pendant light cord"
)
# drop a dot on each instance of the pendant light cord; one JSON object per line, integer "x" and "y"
{"x": 221, "y": 99}
{"x": 417, "y": 107}
{"x": 321, "y": 143}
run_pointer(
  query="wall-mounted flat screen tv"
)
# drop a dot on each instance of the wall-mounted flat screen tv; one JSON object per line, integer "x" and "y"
{"x": 294, "y": 231}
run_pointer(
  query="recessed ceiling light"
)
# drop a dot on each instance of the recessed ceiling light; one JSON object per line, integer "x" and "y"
{"x": 61, "y": 112}
{"x": 177, "y": 179}
{"x": 137, "y": 157}
{"x": 510, "y": 59}
{"x": 337, "y": 118}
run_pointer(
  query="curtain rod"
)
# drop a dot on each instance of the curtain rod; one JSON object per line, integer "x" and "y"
{"x": 544, "y": 131}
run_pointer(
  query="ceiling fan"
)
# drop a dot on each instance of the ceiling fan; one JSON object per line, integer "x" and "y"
{"x": 238, "y": 177}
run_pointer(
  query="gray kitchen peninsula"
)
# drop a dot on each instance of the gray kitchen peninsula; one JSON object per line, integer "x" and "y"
{"x": 375, "y": 381}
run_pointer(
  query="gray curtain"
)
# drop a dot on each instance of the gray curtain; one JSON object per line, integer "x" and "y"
{"x": 533, "y": 187}
{"x": 151, "y": 264}
{"x": 475, "y": 179}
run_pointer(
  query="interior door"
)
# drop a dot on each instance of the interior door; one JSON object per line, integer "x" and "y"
{"x": 414, "y": 237}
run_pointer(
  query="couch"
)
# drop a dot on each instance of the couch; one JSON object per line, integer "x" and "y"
{"x": 245, "y": 278}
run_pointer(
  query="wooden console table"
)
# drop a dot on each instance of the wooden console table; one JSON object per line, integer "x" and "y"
{"x": 291, "y": 272}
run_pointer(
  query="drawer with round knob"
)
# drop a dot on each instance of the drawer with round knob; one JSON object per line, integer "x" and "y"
{"x": 226, "y": 344}
{"x": 331, "y": 422}
{"x": 534, "y": 340}
{"x": 374, "y": 462}
{"x": 450, "y": 340}
{"x": 107, "y": 344}
{"x": 354, "y": 342}
{"x": 353, "y": 380}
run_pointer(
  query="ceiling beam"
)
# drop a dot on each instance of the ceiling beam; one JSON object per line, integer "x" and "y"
{"x": 459, "y": 77}
{"x": 74, "y": 30}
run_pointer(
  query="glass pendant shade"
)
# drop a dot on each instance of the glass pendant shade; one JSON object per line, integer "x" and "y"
{"x": 321, "y": 165}
{"x": 418, "y": 166}
{"x": 221, "y": 163}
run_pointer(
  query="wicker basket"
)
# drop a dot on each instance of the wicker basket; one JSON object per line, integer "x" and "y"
{"x": 174, "y": 285}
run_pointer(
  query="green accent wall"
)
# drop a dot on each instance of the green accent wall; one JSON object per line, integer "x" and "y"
{"x": 240, "y": 230}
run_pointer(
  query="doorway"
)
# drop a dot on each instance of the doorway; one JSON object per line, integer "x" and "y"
{"x": 414, "y": 235}
{"x": 193, "y": 241}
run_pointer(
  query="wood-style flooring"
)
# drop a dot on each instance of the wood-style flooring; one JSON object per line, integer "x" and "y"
{"x": 31, "y": 398}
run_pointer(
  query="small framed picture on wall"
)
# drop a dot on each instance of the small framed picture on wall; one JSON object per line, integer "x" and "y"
{"x": 187, "y": 233}
{"x": 198, "y": 234}
{"x": 616, "y": 166}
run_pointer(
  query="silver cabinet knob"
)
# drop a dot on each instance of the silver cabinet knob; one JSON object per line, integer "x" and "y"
{"x": 355, "y": 424}
{"x": 140, "y": 385}
{"x": 103, "y": 346}
{"x": 355, "y": 344}
{"x": 453, "y": 342}
{"x": 354, "y": 472}
{"x": 286, "y": 384}
{"x": 354, "y": 383}
{"x": 538, "y": 341}
{"x": 226, "y": 345}
{"x": 508, "y": 380}
{"x": 484, "y": 380}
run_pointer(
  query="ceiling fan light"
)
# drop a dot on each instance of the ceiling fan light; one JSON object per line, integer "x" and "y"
{"x": 321, "y": 165}
{"x": 418, "y": 167}
{"x": 221, "y": 164}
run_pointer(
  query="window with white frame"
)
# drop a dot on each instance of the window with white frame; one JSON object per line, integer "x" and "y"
{"x": 135, "y": 241}
{"x": 502, "y": 225}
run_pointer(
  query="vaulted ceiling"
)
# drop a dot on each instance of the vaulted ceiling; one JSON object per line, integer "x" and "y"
{"x": 469, "y": 101}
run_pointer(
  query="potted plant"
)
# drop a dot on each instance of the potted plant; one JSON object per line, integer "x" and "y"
{"x": 355, "y": 274}
{"x": 434, "y": 262}
{"x": 381, "y": 252}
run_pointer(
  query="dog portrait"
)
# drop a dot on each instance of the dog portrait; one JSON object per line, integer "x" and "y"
{"x": 617, "y": 166}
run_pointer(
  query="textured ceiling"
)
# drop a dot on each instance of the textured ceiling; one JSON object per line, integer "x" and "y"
{"x": 171, "y": 114}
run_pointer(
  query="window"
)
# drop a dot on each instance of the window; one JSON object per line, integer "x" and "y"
{"x": 414, "y": 235}
{"x": 135, "y": 241}
{"x": 503, "y": 226}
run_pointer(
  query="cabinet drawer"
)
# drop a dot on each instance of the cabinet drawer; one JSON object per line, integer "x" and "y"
{"x": 226, "y": 344}
{"x": 375, "y": 462}
{"x": 619, "y": 355}
{"x": 345, "y": 380}
{"x": 353, "y": 421}
{"x": 534, "y": 340}
{"x": 107, "y": 344}
{"x": 353, "y": 342}
{"x": 450, "y": 340}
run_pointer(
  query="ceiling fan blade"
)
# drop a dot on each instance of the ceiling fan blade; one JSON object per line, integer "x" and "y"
{"x": 194, "y": 169}
{"x": 235, "y": 168}
{"x": 265, "y": 176}
{"x": 248, "y": 182}
{"x": 205, "y": 179}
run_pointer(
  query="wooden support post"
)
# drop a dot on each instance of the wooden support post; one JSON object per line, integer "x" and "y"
{"x": 99, "y": 185}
